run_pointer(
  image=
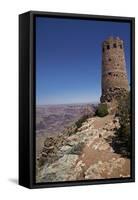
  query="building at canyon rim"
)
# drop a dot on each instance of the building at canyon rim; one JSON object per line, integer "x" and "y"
{"x": 114, "y": 75}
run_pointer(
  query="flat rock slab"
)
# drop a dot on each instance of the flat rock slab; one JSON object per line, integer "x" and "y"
{"x": 60, "y": 170}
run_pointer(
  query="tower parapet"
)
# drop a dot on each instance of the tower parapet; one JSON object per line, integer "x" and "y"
{"x": 114, "y": 75}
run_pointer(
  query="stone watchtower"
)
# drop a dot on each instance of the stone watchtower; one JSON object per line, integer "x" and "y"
{"x": 114, "y": 75}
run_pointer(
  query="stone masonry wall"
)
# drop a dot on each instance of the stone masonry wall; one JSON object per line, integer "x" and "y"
{"x": 114, "y": 75}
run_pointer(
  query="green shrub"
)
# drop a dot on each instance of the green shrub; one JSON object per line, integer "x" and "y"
{"x": 74, "y": 128}
{"x": 102, "y": 110}
{"x": 81, "y": 120}
{"x": 123, "y": 113}
{"x": 71, "y": 130}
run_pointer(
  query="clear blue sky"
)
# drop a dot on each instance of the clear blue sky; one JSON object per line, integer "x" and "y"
{"x": 68, "y": 58}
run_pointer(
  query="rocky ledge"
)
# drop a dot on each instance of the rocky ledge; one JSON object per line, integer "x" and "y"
{"x": 86, "y": 154}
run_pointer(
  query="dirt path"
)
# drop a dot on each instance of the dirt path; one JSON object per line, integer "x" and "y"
{"x": 104, "y": 154}
{"x": 91, "y": 157}
{"x": 100, "y": 122}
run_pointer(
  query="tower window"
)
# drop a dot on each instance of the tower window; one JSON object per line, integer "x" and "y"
{"x": 114, "y": 45}
{"x": 109, "y": 73}
{"x": 121, "y": 46}
{"x": 109, "y": 59}
{"x": 108, "y": 47}
{"x": 103, "y": 49}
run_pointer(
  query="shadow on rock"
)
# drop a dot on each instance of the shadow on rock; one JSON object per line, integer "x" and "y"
{"x": 119, "y": 144}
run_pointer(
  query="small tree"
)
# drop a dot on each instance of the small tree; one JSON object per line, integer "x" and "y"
{"x": 123, "y": 114}
{"x": 102, "y": 110}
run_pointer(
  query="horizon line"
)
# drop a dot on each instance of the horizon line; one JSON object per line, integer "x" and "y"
{"x": 52, "y": 104}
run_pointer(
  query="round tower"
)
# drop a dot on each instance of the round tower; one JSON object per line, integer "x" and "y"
{"x": 114, "y": 75}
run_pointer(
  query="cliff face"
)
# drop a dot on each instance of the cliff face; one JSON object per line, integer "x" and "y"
{"x": 87, "y": 153}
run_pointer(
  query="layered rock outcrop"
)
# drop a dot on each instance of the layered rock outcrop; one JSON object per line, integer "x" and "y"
{"x": 86, "y": 154}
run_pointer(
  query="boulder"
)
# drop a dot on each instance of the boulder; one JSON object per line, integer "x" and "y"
{"x": 65, "y": 149}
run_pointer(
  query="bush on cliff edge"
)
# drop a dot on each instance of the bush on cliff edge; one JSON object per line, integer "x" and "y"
{"x": 102, "y": 110}
{"x": 123, "y": 113}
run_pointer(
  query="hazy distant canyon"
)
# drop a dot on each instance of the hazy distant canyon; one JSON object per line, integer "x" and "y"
{"x": 53, "y": 119}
